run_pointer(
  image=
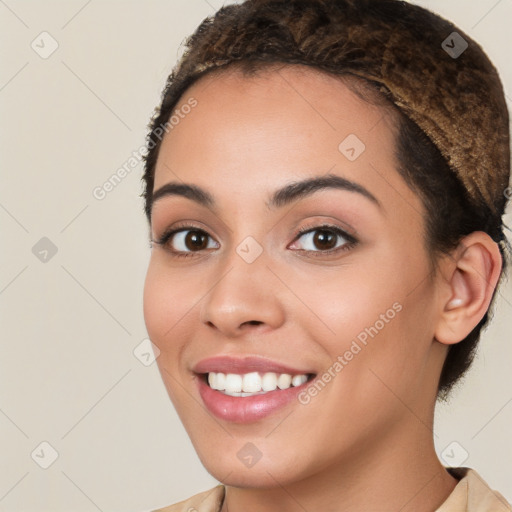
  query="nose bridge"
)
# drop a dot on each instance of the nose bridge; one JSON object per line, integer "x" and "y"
{"x": 243, "y": 291}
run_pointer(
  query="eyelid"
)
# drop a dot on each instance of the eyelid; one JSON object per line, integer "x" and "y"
{"x": 168, "y": 236}
{"x": 350, "y": 240}
{"x": 180, "y": 226}
{"x": 326, "y": 225}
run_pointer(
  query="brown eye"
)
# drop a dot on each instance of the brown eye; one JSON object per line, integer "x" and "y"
{"x": 324, "y": 239}
{"x": 196, "y": 240}
{"x": 189, "y": 240}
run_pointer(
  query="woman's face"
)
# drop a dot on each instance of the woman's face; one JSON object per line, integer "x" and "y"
{"x": 240, "y": 290}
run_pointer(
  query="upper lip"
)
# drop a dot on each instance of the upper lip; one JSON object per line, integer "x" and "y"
{"x": 232, "y": 364}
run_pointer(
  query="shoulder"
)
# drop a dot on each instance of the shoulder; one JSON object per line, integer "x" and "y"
{"x": 472, "y": 494}
{"x": 206, "y": 501}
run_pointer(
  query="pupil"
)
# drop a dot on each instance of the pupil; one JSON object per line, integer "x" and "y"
{"x": 195, "y": 240}
{"x": 325, "y": 239}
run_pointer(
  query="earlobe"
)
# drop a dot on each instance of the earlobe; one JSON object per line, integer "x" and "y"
{"x": 474, "y": 272}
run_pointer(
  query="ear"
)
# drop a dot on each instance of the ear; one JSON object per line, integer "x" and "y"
{"x": 471, "y": 274}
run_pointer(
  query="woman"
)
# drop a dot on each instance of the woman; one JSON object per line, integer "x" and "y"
{"x": 324, "y": 182}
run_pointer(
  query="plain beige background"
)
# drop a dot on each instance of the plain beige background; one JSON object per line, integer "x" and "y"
{"x": 72, "y": 319}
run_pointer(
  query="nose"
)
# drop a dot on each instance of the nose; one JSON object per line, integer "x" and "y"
{"x": 243, "y": 299}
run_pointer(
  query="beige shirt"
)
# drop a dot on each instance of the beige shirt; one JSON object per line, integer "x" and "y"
{"x": 471, "y": 494}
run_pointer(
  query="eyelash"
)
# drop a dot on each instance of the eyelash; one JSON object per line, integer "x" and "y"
{"x": 350, "y": 240}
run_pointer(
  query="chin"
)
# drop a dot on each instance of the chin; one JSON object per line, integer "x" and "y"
{"x": 276, "y": 467}
{"x": 260, "y": 476}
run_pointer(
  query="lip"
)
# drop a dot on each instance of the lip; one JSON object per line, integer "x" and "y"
{"x": 247, "y": 409}
{"x": 237, "y": 409}
{"x": 240, "y": 365}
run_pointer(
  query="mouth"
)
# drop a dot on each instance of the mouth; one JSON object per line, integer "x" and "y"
{"x": 271, "y": 392}
{"x": 253, "y": 383}
{"x": 248, "y": 389}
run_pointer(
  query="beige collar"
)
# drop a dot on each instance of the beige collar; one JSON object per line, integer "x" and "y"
{"x": 472, "y": 494}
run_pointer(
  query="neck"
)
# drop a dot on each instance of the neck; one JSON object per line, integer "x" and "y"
{"x": 403, "y": 473}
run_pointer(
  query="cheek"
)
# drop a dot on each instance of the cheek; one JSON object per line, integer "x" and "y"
{"x": 155, "y": 305}
{"x": 345, "y": 301}
{"x": 376, "y": 316}
{"x": 165, "y": 306}
{"x": 168, "y": 302}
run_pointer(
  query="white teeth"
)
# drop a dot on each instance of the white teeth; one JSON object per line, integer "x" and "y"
{"x": 220, "y": 381}
{"x": 217, "y": 380}
{"x": 269, "y": 382}
{"x": 253, "y": 383}
{"x": 233, "y": 383}
{"x": 284, "y": 381}
{"x": 298, "y": 380}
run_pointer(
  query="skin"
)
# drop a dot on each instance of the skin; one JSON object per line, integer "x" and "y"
{"x": 370, "y": 428}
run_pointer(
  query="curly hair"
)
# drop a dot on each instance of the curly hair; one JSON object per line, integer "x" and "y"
{"x": 326, "y": 35}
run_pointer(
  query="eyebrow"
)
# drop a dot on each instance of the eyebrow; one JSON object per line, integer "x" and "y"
{"x": 281, "y": 197}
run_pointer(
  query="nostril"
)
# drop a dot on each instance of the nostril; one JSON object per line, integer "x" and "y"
{"x": 253, "y": 322}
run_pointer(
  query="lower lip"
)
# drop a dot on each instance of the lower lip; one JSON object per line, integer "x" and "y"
{"x": 246, "y": 409}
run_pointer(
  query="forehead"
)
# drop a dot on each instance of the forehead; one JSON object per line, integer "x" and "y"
{"x": 277, "y": 105}
{"x": 254, "y": 133}
{"x": 324, "y": 102}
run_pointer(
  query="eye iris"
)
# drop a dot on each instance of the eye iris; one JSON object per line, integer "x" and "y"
{"x": 324, "y": 239}
{"x": 195, "y": 240}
